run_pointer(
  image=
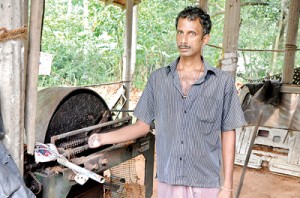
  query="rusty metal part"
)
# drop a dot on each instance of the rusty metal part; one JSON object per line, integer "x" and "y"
{"x": 106, "y": 115}
{"x": 90, "y": 128}
{"x": 73, "y": 143}
{"x": 116, "y": 154}
{"x": 73, "y": 151}
{"x": 35, "y": 185}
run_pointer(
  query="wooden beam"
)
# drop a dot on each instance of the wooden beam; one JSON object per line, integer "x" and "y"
{"x": 36, "y": 15}
{"x": 204, "y": 5}
{"x": 230, "y": 36}
{"x": 134, "y": 40}
{"x": 127, "y": 58}
{"x": 291, "y": 41}
{"x": 121, "y": 3}
{"x": 290, "y": 88}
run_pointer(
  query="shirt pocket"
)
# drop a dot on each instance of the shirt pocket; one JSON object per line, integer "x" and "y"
{"x": 207, "y": 109}
{"x": 207, "y": 112}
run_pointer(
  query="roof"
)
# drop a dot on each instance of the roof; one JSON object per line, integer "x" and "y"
{"x": 121, "y": 3}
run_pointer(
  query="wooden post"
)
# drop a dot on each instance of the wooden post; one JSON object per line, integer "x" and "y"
{"x": 230, "y": 37}
{"x": 12, "y": 78}
{"x": 204, "y": 5}
{"x": 291, "y": 41}
{"x": 230, "y": 43}
{"x": 127, "y": 58}
{"x": 134, "y": 41}
{"x": 36, "y": 14}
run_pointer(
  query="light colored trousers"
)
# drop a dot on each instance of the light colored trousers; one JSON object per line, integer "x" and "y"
{"x": 170, "y": 191}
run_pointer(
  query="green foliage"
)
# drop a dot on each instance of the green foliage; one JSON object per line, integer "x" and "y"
{"x": 88, "y": 46}
{"x": 156, "y": 36}
{"x": 82, "y": 55}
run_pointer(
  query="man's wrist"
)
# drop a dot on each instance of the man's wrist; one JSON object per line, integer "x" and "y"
{"x": 226, "y": 189}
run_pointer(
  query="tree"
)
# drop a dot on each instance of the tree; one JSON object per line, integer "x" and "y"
{"x": 86, "y": 39}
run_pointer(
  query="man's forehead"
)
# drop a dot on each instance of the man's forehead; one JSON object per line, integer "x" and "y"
{"x": 196, "y": 21}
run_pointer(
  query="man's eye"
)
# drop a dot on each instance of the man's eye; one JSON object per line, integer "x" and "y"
{"x": 193, "y": 33}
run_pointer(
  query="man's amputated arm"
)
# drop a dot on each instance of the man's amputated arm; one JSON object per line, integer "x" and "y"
{"x": 228, "y": 154}
{"x": 124, "y": 134}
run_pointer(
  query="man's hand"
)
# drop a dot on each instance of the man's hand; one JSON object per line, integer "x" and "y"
{"x": 94, "y": 141}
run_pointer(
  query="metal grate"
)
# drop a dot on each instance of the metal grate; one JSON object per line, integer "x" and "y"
{"x": 125, "y": 176}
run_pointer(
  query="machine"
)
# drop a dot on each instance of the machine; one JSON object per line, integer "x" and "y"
{"x": 66, "y": 117}
{"x": 276, "y": 145}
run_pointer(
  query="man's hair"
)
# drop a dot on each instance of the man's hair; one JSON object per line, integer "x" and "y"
{"x": 192, "y": 13}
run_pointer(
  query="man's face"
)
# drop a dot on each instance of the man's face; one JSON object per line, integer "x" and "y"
{"x": 190, "y": 39}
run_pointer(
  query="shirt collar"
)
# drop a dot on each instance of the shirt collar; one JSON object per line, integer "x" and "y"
{"x": 207, "y": 67}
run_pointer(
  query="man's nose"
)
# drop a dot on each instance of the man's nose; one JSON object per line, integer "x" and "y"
{"x": 184, "y": 39}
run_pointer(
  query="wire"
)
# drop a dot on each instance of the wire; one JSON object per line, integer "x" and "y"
{"x": 288, "y": 48}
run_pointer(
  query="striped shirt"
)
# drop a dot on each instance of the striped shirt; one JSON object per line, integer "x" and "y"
{"x": 187, "y": 129}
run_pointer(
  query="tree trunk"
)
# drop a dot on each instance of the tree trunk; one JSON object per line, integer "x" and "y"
{"x": 279, "y": 37}
{"x": 231, "y": 34}
{"x": 291, "y": 41}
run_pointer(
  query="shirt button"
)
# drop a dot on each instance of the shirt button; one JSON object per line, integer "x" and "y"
{"x": 180, "y": 158}
{"x": 184, "y": 111}
{"x": 181, "y": 142}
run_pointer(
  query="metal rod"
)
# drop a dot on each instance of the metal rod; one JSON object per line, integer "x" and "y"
{"x": 249, "y": 152}
{"x": 104, "y": 84}
{"x": 81, "y": 170}
{"x": 86, "y": 129}
{"x": 122, "y": 110}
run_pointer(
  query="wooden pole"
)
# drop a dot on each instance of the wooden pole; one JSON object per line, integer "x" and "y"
{"x": 230, "y": 43}
{"x": 36, "y": 15}
{"x": 291, "y": 41}
{"x": 231, "y": 35}
{"x": 127, "y": 58}
{"x": 12, "y": 77}
{"x": 134, "y": 40}
{"x": 204, "y": 5}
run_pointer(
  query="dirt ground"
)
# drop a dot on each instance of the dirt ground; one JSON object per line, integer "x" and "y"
{"x": 257, "y": 183}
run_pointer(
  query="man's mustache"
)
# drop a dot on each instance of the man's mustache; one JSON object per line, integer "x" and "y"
{"x": 184, "y": 46}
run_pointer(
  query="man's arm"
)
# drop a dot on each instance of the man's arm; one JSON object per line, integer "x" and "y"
{"x": 228, "y": 154}
{"x": 124, "y": 134}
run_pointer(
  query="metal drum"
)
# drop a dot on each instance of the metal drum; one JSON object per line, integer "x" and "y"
{"x": 63, "y": 109}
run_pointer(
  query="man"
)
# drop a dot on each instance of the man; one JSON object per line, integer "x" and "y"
{"x": 191, "y": 104}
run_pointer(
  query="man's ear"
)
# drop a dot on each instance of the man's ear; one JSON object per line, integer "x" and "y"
{"x": 205, "y": 39}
